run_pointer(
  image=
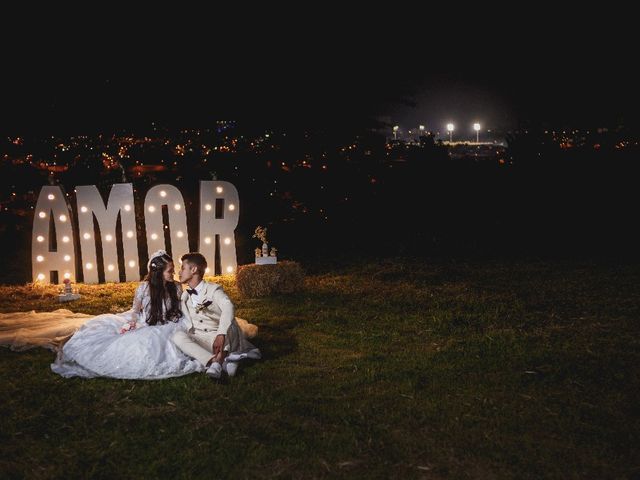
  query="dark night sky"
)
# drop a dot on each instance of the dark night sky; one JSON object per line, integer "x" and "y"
{"x": 61, "y": 94}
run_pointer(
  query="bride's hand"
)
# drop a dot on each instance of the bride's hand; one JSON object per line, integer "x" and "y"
{"x": 130, "y": 325}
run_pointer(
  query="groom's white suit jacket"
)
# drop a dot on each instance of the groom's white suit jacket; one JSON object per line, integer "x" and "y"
{"x": 216, "y": 317}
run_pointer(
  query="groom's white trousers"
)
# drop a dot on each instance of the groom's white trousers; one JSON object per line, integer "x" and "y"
{"x": 198, "y": 345}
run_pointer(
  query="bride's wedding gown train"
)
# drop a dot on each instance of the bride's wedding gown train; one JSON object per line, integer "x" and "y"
{"x": 97, "y": 348}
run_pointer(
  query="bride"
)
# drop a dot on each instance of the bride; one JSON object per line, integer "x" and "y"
{"x": 135, "y": 344}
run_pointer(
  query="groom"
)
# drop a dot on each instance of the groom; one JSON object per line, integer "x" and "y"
{"x": 210, "y": 317}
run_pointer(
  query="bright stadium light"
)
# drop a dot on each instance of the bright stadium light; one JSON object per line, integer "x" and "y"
{"x": 450, "y": 128}
{"x": 476, "y": 127}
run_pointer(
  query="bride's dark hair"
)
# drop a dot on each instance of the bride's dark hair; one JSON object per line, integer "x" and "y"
{"x": 159, "y": 290}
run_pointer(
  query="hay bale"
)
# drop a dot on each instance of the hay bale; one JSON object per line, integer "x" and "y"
{"x": 262, "y": 280}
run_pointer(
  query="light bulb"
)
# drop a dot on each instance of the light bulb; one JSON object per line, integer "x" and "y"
{"x": 219, "y": 189}
{"x": 229, "y": 269}
{"x": 83, "y": 209}
{"x": 41, "y": 276}
{"x": 42, "y": 214}
{"x": 207, "y": 207}
{"x": 40, "y": 238}
{"x": 177, "y": 206}
{"x": 207, "y": 240}
{"x": 86, "y": 236}
{"x": 51, "y": 196}
{"x": 179, "y": 234}
{"x": 65, "y": 239}
{"x": 63, "y": 218}
{"x": 127, "y": 208}
{"x": 227, "y": 241}
{"x": 152, "y": 208}
{"x": 232, "y": 206}
{"x": 132, "y": 263}
{"x": 67, "y": 258}
{"x": 110, "y": 268}
{"x": 40, "y": 258}
{"x": 163, "y": 193}
{"x": 89, "y": 266}
{"x": 154, "y": 236}
{"x": 129, "y": 234}
{"x": 108, "y": 237}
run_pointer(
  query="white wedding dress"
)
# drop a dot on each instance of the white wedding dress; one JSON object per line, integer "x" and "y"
{"x": 98, "y": 348}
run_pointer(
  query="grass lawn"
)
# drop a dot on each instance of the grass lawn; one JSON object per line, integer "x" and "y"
{"x": 395, "y": 369}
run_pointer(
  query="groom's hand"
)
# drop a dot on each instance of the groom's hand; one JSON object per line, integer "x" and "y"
{"x": 218, "y": 343}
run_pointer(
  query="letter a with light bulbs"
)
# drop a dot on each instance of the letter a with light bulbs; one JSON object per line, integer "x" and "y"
{"x": 56, "y": 255}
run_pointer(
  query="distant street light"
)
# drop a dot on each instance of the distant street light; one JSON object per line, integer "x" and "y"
{"x": 476, "y": 127}
{"x": 450, "y": 128}
{"x": 395, "y": 132}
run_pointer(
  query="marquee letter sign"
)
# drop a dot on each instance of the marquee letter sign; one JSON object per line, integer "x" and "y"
{"x": 169, "y": 196}
{"x": 90, "y": 205}
{"x": 52, "y": 249}
{"x": 53, "y": 253}
{"x": 219, "y": 213}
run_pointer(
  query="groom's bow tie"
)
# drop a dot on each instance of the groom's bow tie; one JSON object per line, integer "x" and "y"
{"x": 192, "y": 291}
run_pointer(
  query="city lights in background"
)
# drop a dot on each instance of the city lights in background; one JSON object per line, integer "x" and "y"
{"x": 450, "y": 127}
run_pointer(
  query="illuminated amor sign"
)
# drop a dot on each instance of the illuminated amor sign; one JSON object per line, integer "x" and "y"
{"x": 59, "y": 256}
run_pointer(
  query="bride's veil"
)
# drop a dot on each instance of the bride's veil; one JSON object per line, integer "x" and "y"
{"x": 25, "y": 330}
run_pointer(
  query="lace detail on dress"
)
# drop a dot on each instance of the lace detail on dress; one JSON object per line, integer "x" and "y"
{"x": 138, "y": 297}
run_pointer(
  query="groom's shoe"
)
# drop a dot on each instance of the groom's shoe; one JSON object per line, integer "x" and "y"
{"x": 230, "y": 367}
{"x": 214, "y": 370}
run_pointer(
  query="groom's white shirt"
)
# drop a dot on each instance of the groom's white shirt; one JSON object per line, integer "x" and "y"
{"x": 195, "y": 298}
